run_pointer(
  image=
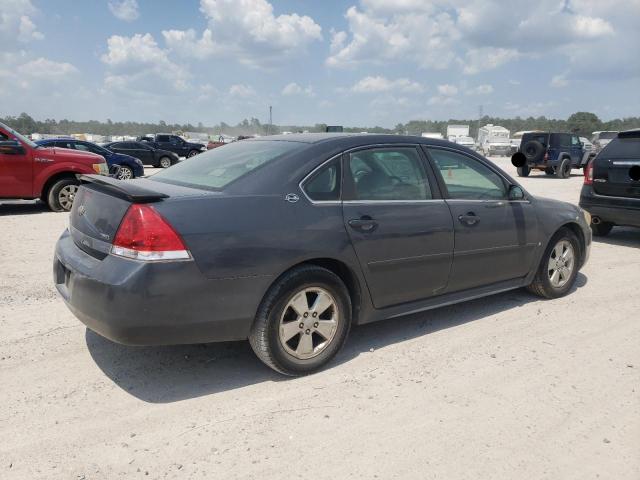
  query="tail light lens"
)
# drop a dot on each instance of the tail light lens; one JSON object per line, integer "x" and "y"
{"x": 144, "y": 235}
{"x": 588, "y": 173}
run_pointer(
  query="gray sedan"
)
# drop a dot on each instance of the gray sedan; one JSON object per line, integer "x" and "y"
{"x": 288, "y": 241}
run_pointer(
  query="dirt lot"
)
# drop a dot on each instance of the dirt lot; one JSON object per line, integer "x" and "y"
{"x": 509, "y": 386}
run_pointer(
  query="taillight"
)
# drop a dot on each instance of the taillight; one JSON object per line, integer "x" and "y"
{"x": 144, "y": 235}
{"x": 588, "y": 173}
{"x": 546, "y": 156}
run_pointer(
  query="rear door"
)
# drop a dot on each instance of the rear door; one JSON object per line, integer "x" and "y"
{"x": 616, "y": 170}
{"x": 400, "y": 228}
{"x": 495, "y": 238}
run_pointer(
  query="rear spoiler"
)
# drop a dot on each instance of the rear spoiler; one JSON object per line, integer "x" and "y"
{"x": 125, "y": 189}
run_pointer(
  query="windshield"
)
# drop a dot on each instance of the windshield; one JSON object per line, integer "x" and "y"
{"x": 217, "y": 168}
{"x": 19, "y": 136}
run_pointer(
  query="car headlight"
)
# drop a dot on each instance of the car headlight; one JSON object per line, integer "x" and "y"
{"x": 101, "y": 168}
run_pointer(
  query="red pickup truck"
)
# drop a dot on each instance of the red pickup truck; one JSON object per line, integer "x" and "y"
{"x": 28, "y": 171}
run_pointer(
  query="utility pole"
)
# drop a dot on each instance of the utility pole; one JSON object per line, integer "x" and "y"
{"x": 270, "y": 119}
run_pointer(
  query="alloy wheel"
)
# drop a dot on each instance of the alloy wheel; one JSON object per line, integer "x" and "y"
{"x": 308, "y": 323}
{"x": 561, "y": 264}
{"x": 125, "y": 173}
{"x": 66, "y": 196}
{"x": 165, "y": 162}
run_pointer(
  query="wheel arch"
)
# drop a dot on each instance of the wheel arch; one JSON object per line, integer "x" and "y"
{"x": 52, "y": 180}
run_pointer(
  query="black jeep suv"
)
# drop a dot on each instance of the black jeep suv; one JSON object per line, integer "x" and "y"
{"x": 554, "y": 153}
{"x": 174, "y": 143}
{"x": 611, "y": 190}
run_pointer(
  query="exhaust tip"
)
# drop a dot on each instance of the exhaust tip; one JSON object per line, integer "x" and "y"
{"x": 596, "y": 220}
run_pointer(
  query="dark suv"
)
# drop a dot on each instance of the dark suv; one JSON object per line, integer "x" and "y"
{"x": 554, "y": 153}
{"x": 611, "y": 190}
{"x": 175, "y": 144}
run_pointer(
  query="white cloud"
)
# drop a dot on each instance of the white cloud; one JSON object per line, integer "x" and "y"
{"x": 16, "y": 24}
{"x": 559, "y": 81}
{"x": 295, "y": 89}
{"x": 248, "y": 31}
{"x": 139, "y": 64}
{"x": 442, "y": 100}
{"x": 480, "y": 90}
{"x": 241, "y": 91}
{"x": 447, "y": 90}
{"x": 487, "y": 58}
{"x": 126, "y": 10}
{"x": 383, "y": 84}
{"x": 47, "y": 69}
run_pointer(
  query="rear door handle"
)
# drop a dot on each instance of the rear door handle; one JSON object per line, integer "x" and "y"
{"x": 469, "y": 219}
{"x": 363, "y": 224}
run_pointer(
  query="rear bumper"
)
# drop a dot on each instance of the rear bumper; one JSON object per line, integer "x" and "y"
{"x": 617, "y": 210}
{"x": 143, "y": 303}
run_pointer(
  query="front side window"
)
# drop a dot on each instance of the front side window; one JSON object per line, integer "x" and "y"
{"x": 467, "y": 178}
{"x": 575, "y": 141}
{"x": 324, "y": 185}
{"x": 393, "y": 173}
{"x": 162, "y": 138}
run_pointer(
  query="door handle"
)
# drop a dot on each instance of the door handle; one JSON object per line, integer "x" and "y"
{"x": 364, "y": 224}
{"x": 469, "y": 219}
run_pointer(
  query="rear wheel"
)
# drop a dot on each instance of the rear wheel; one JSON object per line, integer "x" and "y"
{"x": 523, "y": 171}
{"x": 559, "y": 266}
{"x": 302, "y": 322}
{"x": 192, "y": 153}
{"x": 602, "y": 229}
{"x": 61, "y": 194}
{"x": 165, "y": 162}
{"x": 564, "y": 169}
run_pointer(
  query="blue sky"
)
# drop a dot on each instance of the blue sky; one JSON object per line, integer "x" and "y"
{"x": 353, "y": 62}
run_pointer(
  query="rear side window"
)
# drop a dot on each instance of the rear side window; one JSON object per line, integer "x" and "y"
{"x": 383, "y": 174}
{"x": 325, "y": 184}
{"x": 162, "y": 138}
{"x": 217, "y": 168}
{"x": 621, "y": 148}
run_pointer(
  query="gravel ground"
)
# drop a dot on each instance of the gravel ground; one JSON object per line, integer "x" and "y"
{"x": 508, "y": 386}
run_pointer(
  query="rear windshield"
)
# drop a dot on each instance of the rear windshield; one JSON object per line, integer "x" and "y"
{"x": 536, "y": 137}
{"x": 217, "y": 168}
{"x": 621, "y": 148}
{"x": 607, "y": 135}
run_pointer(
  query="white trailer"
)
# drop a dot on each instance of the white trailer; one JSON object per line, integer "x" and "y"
{"x": 494, "y": 140}
{"x": 454, "y": 131}
{"x": 432, "y": 135}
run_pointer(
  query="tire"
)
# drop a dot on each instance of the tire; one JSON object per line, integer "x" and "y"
{"x": 125, "y": 173}
{"x": 602, "y": 229}
{"x": 564, "y": 169}
{"x": 533, "y": 151}
{"x": 192, "y": 153}
{"x": 523, "y": 171}
{"x": 267, "y": 336}
{"x": 549, "y": 171}
{"x": 165, "y": 162}
{"x": 61, "y": 194}
{"x": 542, "y": 284}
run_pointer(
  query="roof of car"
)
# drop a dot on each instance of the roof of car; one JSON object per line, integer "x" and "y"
{"x": 371, "y": 138}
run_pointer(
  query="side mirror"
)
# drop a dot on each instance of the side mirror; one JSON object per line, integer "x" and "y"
{"x": 11, "y": 147}
{"x": 516, "y": 193}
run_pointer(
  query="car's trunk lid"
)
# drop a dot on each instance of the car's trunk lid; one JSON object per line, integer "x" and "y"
{"x": 616, "y": 170}
{"x": 101, "y": 203}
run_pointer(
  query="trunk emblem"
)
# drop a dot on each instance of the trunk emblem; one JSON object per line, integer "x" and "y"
{"x": 81, "y": 210}
{"x": 291, "y": 197}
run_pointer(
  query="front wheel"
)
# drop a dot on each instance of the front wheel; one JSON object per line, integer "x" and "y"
{"x": 125, "y": 173}
{"x": 303, "y": 321}
{"x": 564, "y": 169}
{"x": 165, "y": 162}
{"x": 61, "y": 194}
{"x": 192, "y": 153}
{"x": 559, "y": 266}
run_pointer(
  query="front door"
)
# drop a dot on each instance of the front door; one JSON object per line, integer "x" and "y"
{"x": 402, "y": 232}
{"x": 16, "y": 171}
{"x": 494, "y": 237}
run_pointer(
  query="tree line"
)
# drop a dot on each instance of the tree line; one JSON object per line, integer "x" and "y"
{"x": 582, "y": 123}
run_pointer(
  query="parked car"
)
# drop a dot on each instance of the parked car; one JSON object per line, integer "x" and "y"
{"x": 465, "y": 142}
{"x": 611, "y": 190}
{"x": 289, "y": 240}
{"x": 174, "y": 143}
{"x": 29, "y": 171}
{"x": 125, "y": 167}
{"x": 554, "y": 153}
{"x": 587, "y": 146}
{"x": 144, "y": 152}
{"x": 216, "y": 143}
{"x": 600, "y": 139}
{"x": 494, "y": 140}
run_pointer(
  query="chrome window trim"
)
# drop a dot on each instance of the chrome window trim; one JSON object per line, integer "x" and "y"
{"x": 379, "y": 202}
{"x": 310, "y": 174}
